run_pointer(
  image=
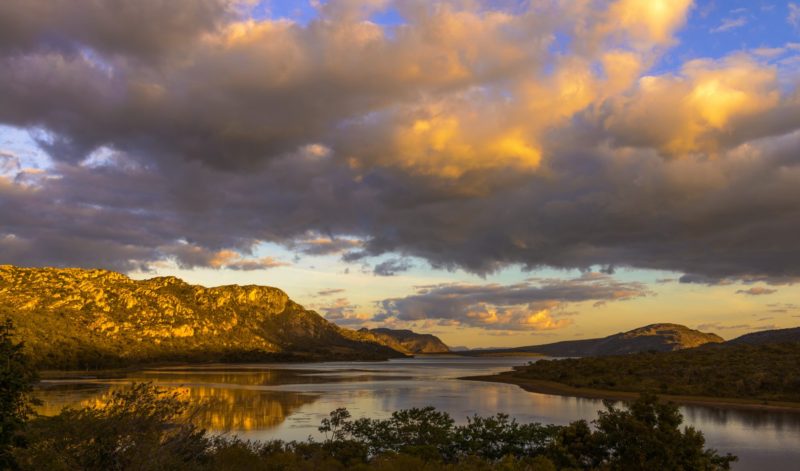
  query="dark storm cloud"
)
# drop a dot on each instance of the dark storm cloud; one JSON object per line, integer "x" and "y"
{"x": 344, "y": 137}
{"x": 143, "y": 28}
{"x": 247, "y": 93}
{"x": 522, "y": 306}
{"x": 391, "y": 267}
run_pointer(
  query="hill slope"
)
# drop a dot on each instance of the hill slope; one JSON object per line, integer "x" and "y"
{"x": 769, "y": 372}
{"x": 656, "y": 337}
{"x": 407, "y": 341}
{"x": 76, "y": 318}
{"x": 768, "y": 336}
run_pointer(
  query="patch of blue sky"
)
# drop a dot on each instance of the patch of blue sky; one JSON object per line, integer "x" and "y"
{"x": 300, "y": 11}
{"x": 22, "y": 144}
{"x": 716, "y": 29}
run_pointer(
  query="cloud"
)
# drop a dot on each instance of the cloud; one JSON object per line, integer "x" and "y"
{"x": 468, "y": 136}
{"x": 783, "y": 308}
{"x": 715, "y": 326}
{"x": 344, "y": 313}
{"x": 145, "y": 29}
{"x": 329, "y": 292}
{"x": 532, "y": 305}
{"x": 794, "y": 14}
{"x": 756, "y": 291}
{"x": 697, "y": 107}
{"x": 9, "y": 162}
{"x": 190, "y": 256}
{"x": 319, "y": 245}
{"x": 729, "y": 24}
{"x": 391, "y": 267}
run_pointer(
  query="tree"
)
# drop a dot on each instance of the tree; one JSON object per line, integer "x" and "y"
{"x": 648, "y": 436}
{"x": 16, "y": 383}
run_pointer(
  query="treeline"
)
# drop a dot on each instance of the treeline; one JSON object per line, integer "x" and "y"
{"x": 768, "y": 372}
{"x": 145, "y": 428}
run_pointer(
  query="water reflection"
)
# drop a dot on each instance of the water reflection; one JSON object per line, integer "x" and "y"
{"x": 752, "y": 418}
{"x": 288, "y": 401}
{"x": 220, "y": 409}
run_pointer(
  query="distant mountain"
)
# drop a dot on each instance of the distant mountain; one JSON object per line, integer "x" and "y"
{"x": 657, "y": 337}
{"x": 768, "y": 336}
{"x": 76, "y": 318}
{"x": 407, "y": 341}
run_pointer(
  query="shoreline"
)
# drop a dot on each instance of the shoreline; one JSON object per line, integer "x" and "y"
{"x": 55, "y": 374}
{"x": 560, "y": 389}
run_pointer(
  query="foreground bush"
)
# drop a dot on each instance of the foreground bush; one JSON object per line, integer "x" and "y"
{"x": 147, "y": 429}
{"x": 142, "y": 428}
{"x": 16, "y": 382}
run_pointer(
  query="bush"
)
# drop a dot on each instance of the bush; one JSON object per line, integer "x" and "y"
{"x": 16, "y": 383}
{"x": 648, "y": 436}
{"x": 142, "y": 428}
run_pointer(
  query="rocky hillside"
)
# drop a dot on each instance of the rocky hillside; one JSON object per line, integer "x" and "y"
{"x": 407, "y": 341}
{"x": 768, "y": 336}
{"x": 655, "y": 337}
{"x": 76, "y": 318}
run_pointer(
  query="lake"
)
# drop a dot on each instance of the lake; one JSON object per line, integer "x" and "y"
{"x": 288, "y": 401}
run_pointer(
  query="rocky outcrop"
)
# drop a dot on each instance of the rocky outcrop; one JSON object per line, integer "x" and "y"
{"x": 407, "y": 341}
{"x": 96, "y": 318}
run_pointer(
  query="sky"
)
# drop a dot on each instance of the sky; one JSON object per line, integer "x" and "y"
{"x": 498, "y": 173}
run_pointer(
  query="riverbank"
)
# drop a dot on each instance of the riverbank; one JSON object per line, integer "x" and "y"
{"x": 560, "y": 389}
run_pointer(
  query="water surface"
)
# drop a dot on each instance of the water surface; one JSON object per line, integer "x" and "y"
{"x": 288, "y": 401}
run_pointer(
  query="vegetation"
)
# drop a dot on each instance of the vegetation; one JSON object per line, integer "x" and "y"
{"x": 16, "y": 382}
{"x": 146, "y": 428}
{"x": 407, "y": 341}
{"x": 93, "y": 319}
{"x": 769, "y": 372}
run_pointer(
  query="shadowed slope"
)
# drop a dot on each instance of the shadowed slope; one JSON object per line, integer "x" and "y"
{"x": 654, "y": 337}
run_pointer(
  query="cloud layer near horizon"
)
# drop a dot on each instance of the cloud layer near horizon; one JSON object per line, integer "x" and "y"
{"x": 532, "y": 305}
{"x": 468, "y": 136}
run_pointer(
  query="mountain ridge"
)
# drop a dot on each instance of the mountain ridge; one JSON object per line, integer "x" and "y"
{"x": 91, "y": 318}
{"x": 656, "y": 337}
{"x": 789, "y": 335}
{"x": 408, "y": 341}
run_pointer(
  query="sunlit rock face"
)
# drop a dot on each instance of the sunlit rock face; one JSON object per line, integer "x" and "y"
{"x": 670, "y": 337}
{"x": 76, "y": 318}
{"x": 407, "y": 341}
